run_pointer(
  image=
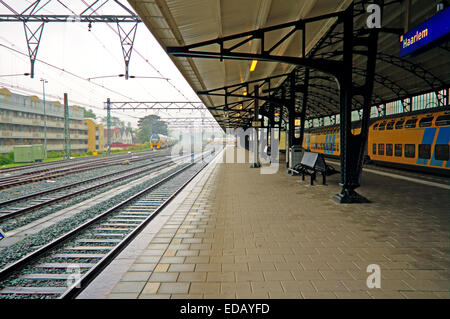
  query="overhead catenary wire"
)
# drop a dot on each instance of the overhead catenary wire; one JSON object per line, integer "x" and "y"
{"x": 63, "y": 70}
{"x": 146, "y": 60}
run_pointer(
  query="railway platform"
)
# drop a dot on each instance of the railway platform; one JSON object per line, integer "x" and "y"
{"x": 236, "y": 233}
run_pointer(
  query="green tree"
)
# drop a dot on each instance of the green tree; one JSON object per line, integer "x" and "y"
{"x": 149, "y": 125}
{"x": 89, "y": 114}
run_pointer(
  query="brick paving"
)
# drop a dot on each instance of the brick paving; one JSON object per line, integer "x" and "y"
{"x": 240, "y": 234}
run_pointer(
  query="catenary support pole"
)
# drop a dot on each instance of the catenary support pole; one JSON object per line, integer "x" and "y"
{"x": 66, "y": 128}
{"x": 108, "y": 125}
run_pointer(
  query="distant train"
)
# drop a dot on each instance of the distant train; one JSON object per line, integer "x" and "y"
{"x": 419, "y": 141}
{"x": 158, "y": 141}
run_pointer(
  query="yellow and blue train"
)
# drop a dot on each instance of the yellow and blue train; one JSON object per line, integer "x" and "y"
{"x": 419, "y": 141}
{"x": 158, "y": 141}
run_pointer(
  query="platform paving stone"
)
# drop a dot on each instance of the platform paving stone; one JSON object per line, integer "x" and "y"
{"x": 220, "y": 276}
{"x": 242, "y": 234}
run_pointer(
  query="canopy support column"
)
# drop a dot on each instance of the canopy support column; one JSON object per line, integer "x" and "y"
{"x": 353, "y": 146}
{"x": 255, "y": 146}
{"x": 304, "y": 106}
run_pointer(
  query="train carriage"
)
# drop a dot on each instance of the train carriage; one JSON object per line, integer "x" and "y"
{"x": 418, "y": 141}
{"x": 158, "y": 141}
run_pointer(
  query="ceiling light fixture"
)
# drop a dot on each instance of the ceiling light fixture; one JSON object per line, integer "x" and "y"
{"x": 253, "y": 66}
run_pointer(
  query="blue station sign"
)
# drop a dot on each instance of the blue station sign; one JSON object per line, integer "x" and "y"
{"x": 427, "y": 34}
{"x": 1, "y": 235}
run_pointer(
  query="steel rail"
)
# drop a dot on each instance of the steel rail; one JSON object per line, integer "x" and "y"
{"x": 29, "y": 196}
{"x": 83, "y": 190}
{"x": 70, "y": 161}
{"x": 73, "y": 290}
{"x": 93, "y": 272}
{"x": 58, "y": 172}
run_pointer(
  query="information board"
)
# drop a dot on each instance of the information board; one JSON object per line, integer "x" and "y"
{"x": 427, "y": 34}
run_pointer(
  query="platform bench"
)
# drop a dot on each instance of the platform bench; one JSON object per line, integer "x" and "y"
{"x": 313, "y": 163}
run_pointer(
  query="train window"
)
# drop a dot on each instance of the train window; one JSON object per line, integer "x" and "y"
{"x": 390, "y": 125}
{"x": 388, "y": 149}
{"x": 399, "y": 124}
{"x": 411, "y": 123}
{"x": 425, "y": 151}
{"x": 441, "y": 152}
{"x": 374, "y": 149}
{"x": 380, "y": 149}
{"x": 426, "y": 122}
{"x": 382, "y": 126}
{"x": 398, "y": 149}
{"x": 375, "y": 127}
{"x": 443, "y": 120}
{"x": 410, "y": 150}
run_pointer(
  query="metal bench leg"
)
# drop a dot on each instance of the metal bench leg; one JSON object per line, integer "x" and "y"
{"x": 313, "y": 176}
{"x": 324, "y": 179}
{"x": 303, "y": 176}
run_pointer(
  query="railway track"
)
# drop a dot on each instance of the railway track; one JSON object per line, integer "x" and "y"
{"x": 21, "y": 205}
{"x": 69, "y": 161}
{"x": 48, "y": 173}
{"x": 65, "y": 266}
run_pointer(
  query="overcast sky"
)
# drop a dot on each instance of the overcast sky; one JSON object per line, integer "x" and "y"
{"x": 87, "y": 54}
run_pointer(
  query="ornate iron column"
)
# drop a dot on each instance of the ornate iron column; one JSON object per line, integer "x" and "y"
{"x": 255, "y": 145}
{"x": 352, "y": 146}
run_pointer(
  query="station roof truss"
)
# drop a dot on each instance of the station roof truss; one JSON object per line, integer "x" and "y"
{"x": 34, "y": 22}
{"x": 213, "y": 43}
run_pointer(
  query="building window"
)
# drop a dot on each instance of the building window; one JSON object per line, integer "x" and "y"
{"x": 441, "y": 152}
{"x": 380, "y": 149}
{"x": 398, "y": 149}
{"x": 375, "y": 127}
{"x": 410, "y": 150}
{"x": 374, "y": 149}
{"x": 388, "y": 149}
{"x": 382, "y": 126}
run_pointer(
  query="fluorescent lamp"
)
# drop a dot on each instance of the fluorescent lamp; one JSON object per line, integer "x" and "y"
{"x": 253, "y": 66}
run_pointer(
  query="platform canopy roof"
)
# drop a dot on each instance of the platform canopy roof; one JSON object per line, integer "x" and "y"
{"x": 181, "y": 23}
